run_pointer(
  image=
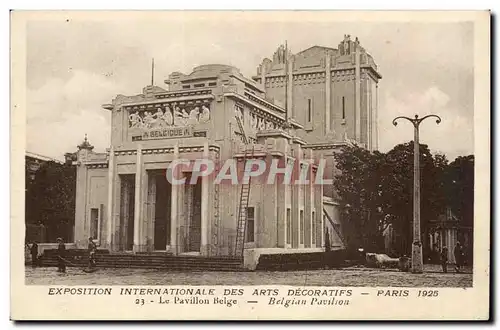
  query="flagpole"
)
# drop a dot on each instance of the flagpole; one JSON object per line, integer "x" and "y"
{"x": 152, "y": 72}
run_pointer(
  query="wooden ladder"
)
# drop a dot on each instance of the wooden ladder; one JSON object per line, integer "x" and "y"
{"x": 244, "y": 198}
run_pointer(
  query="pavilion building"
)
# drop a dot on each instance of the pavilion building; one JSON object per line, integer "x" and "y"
{"x": 297, "y": 107}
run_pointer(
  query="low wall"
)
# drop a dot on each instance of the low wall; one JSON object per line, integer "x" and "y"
{"x": 251, "y": 257}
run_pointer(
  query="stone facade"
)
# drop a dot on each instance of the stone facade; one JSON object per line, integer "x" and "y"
{"x": 125, "y": 203}
{"x": 340, "y": 108}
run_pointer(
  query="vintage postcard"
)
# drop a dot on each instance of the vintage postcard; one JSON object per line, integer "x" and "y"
{"x": 294, "y": 165}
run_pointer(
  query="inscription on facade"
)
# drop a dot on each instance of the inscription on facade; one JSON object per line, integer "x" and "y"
{"x": 165, "y": 133}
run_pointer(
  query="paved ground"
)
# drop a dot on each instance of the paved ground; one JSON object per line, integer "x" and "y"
{"x": 332, "y": 277}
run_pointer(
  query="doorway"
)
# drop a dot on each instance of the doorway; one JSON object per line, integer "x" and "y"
{"x": 127, "y": 208}
{"x": 162, "y": 211}
{"x": 193, "y": 209}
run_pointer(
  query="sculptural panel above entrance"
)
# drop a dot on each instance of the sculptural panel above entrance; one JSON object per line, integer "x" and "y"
{"x": 177, "y": 114}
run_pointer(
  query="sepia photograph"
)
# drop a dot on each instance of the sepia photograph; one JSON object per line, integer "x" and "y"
{"x": 189, "y": 149}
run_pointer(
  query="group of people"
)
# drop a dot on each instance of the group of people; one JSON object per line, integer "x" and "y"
{"x": 61, "y": 248}
{"x": 61, "y": 254}
{"x": 459, "y": 255}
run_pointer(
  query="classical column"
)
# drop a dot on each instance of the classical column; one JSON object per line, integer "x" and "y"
{"x": 318, "y": 205}
{"x": 295, "y": 205}
{"x": 109, "y": 209}
{"x": 137, "y": 200}
{"x": 357, "y": 82}
{"x": 204, "y": 207}
{"x": 308, "y": 206}
{"x": 282, "y": 189}
{"x": 149, "y": 206}
{"x": 174, "y": 207}
{"x": 328, "y": 83}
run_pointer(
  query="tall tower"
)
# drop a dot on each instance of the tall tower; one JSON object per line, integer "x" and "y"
{"x": 332, "y": 92}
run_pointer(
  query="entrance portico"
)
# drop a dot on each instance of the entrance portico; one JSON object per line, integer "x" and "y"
{"x": 158, "y": 215}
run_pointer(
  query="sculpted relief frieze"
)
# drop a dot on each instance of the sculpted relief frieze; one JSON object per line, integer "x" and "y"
{"x": 170, "y": 115}
{"x": 255, "y": 121}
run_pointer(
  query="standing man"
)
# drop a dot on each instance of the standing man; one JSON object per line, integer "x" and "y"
{"x": 444, "y": 259}
{"x": 458, "y": 253}
{"x": 92, "y": 250}
{"x": 34, "y": 254}
{"x": 61, "y": 254}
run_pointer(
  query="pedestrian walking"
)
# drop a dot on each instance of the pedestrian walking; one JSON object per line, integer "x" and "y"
{"x": 444, "y": 259}
{"x": 61, "y": 249}
{"x": 459, "y": 257}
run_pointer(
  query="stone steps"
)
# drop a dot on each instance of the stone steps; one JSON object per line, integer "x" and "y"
{"x": 79, "y": 258}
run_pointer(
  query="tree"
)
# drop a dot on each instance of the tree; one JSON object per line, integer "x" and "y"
{"x": 375, "y": 188}
{"x": 459, "y": 182}
{"x": 397, "y": 188}
{"x": 358, "y": 187}
{"x": 50, "y": 199}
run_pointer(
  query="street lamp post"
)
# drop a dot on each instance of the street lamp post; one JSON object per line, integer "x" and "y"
{"x": 416, "y": 257}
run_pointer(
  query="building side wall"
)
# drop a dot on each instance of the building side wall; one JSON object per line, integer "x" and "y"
{"x": 310, "y": 87}
{"x": 343, "y": 102}
{"x": 91, "y": 194}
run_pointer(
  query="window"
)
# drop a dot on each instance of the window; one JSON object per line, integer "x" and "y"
{"x": 288, "y": 227}
{"x": 199, "y": 85}
{"x": 301, "y": 227}
{"x": 343, "y": 107}
{"x": 94, "y": 223}
{"x": 309, "y": 110}
{"x": 313, "y": 228}
{"x": 212, "y": 84}
{"x": 186, "y": 86}
{"x": 250, "y": 224}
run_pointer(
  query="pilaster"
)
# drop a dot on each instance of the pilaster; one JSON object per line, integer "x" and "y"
{"x": 318, "y": 205}
{"x": 116, "y": 208}
{"x": 307, "y": 195}
{"x": 357, "y": 72}
{"x": 174, "y": 207}
{"x": 309, "y": 205}
{"x": 144, "y": 238}
{"x": 205, "y": 214}
{"x": 296, "y": 230}
{"x": 138, "y": 201}
{"x": 282, "y": 192}
{"x": 109, "y": 208}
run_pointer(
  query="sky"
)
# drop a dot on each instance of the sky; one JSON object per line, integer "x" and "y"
{"x": 75, "y": 65}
